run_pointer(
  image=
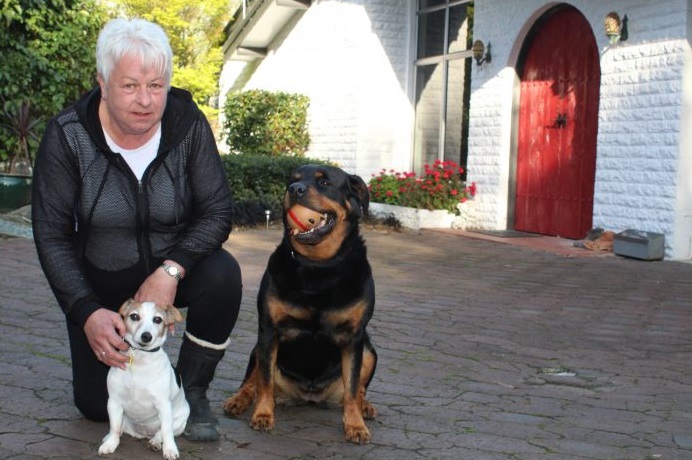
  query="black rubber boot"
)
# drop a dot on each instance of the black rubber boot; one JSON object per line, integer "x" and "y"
{"x": 197, "y": 365}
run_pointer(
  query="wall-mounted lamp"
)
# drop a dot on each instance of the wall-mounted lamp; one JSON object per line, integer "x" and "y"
{"x": 478, "y": 50}
{"x": 616, "y": 29}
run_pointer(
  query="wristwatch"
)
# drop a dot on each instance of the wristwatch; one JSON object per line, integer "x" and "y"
{"x": 172, "y": 270}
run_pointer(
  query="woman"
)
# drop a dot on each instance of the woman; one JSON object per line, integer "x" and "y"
{"x": 130, "y": 199}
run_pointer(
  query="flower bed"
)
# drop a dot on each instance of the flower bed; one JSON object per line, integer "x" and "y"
{"x": 439, "y": 188}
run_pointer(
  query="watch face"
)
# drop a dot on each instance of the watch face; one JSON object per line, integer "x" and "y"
{"x": 172, "y": 270}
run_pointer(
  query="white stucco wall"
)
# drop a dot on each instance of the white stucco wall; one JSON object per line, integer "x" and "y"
{"x": 682, "y": 246}
{"x": 352, "y": 58}
{"x": 642, "y": 173}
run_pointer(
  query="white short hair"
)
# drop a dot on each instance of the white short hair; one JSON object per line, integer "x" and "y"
{"x": 135, "y": 37}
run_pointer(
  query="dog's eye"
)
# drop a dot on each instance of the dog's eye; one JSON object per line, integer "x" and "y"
{"x": 134, "y": 316}
{"x": 324, "y": 183}
{"x": 158, "y": 320}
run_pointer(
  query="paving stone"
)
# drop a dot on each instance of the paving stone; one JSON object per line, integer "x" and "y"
{"x": 487, "y": 351}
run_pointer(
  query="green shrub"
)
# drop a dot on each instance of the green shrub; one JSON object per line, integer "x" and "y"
{"x": 46, "y": 57}
{"x": 259, "y": 184}
{"x": 259, "y": 122}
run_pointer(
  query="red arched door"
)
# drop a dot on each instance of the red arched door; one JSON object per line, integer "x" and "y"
{"x": 558, "y": 122}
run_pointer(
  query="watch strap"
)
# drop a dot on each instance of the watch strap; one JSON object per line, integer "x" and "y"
{"x": 172, "y": 270}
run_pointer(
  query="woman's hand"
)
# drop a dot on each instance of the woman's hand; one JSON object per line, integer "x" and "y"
{"x": 159, "y": 287}
{"x": 105, "y": 330}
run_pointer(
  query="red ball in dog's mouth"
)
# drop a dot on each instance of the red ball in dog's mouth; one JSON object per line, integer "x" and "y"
{"x": 302, "y": 219}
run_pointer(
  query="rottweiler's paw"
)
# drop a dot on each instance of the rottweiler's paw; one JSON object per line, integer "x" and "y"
{"x": 262, "y": 422}
{"x": 369, "y": 411}
{"x": 236, "y": 405}
{"x": 357, "y": 434}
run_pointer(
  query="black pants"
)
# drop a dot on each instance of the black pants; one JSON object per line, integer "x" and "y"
{"x": 211, "y": 293}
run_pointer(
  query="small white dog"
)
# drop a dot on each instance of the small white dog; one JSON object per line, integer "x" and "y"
{"x": 146, "y": 400}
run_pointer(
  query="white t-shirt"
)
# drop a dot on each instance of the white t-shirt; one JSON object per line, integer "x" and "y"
{"x": 138, "y": 159}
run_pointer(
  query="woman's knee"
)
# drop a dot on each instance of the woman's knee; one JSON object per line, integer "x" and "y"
{"x": 93, "y": 407}
{"x": 218, "y": 275}
{"x": 212, "y": 295}
{"x": 89, "y": 377}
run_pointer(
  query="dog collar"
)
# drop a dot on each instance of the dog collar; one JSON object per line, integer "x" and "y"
{"x": 321, "y": 264}
{"x": 142, "y": 349}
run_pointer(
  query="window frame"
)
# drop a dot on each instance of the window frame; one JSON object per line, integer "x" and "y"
{"x": 444, "y": 60}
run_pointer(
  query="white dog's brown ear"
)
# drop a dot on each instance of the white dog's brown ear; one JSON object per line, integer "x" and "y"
{"x": 125, "y": 307}
{"x": 173, "y": 315}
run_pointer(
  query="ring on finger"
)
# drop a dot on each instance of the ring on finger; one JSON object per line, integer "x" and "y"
{"x": 103, "y": 353}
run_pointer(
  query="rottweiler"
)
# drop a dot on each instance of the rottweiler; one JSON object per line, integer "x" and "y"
{"x": 315, "y": 300}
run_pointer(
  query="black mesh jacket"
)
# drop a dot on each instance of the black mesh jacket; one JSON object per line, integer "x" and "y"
{"x": 98, "y": 229}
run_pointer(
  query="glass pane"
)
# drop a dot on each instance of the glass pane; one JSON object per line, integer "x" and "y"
{"x": 428, "y": 3}
{"x": 431, "y": 29}
{"x": 459, "y": 35}
{"x": 456, "y": 118}
{"x": 429, "y": 87}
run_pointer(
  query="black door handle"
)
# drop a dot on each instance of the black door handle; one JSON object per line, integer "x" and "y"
{"x": 561, "y": 120}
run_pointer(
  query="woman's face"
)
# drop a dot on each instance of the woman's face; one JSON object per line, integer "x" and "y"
{"x": 134, "y": 98}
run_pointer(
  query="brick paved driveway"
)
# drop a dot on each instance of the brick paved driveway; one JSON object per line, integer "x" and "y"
{"x": 487, "y": 351}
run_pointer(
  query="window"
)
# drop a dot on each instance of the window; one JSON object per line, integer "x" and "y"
{"x": 442, "y": 81}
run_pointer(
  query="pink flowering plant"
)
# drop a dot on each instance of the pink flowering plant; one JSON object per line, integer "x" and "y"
{"x": 440, "y": 187}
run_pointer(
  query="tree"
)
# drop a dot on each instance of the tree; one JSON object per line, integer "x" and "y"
{"x": 47, "y": 49}
{"x": 194, "y": 30}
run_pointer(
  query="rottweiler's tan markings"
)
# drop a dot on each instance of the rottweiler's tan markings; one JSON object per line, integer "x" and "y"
{"x": 263, "y": 417}
{"x": 349, "y": 318}
{"x": 280, "y": 310}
